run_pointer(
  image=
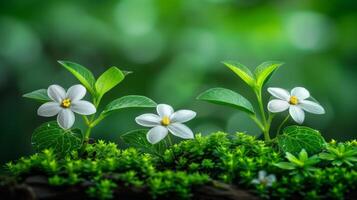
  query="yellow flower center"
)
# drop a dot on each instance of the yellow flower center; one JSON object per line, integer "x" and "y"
{"x": 293, "y": 100}
{"x": 66, "y": 103}
{"x": 165, "y": 121}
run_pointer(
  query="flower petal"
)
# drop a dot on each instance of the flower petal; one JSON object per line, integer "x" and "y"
{"x": 49, "y": 109}
{"x": 76, "y": 92}
{"x": 255, "y": 181}
{"x": 164, "y": 110}
{"x": 270, "y": 179}
{"x": 279, "y": 93}
{"x": 182, "y": 116}
{"x": 262, "y": 174}
{"x": 83, "y": 107}
{"x": 56, "y": 93}
{"x": 312, "y": 107}
{"x": 278, "y": 105}
{"x": 301, "y": 93}
{"x": 297, "y": 114}
{"x": 156, "y": 134}
{"x": 65, "y": 118}
{"x": 148, "y": 120}
{"x": 180, "y": 130}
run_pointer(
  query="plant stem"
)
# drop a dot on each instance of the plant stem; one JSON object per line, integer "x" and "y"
{"x": 262, "y": 112}
{"x": 87, "y": 134}
{"x": 257, "y": 121}
{"x": 282, "y": 124}
{"x": 96, "y": 121}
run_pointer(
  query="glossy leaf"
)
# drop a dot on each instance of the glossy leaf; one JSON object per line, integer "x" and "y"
{"x": 81, "y": 73}
{"x": 130, "y": 101}
{"x": 242, "y": 71}
{"x": 296, "y": 138}
{"x": 264, "y": 71}
{"x": 39, "y": 95}
{"x": 137, "y": 139}
{"x": 50, "y": 135}
{"x": 226, "y": 97}
{"x": 108, "y": 80}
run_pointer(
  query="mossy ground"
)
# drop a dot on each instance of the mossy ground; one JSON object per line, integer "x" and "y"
{"x": 235, "y": 160}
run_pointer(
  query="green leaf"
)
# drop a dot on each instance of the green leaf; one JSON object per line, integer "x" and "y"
{"x": 50, "y": 135}
{"x": 81, "y": 73}
{"x": 108, "y": 80}
{"x": 285, "y": 165}
{"x": 264, "y": 71}
{"x": 39, "y": 95}
{"x": 227, "y": 97}
{"x": 137, "y": 139}
{"x": 242, "y": 71}
{"x": 130, "y": 101}
{"x": 296, "y": 138}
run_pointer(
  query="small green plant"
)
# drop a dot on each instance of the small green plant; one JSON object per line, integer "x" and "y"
{"x": 340, "y": 154}
{"x": 301, "y": 164}
{"x": 239, "y": 159}
{"x": 60, "y": 136}
{"x": 296, "y": 101}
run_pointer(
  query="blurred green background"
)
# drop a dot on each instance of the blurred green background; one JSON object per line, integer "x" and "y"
{"x": 175, "y": 49}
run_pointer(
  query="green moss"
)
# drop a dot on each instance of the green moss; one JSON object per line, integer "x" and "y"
{"x": 232, "y": 159}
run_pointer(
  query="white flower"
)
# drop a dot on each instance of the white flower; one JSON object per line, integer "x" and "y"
{"x": 264, "y": 179}
{"x": 295, "y": 101}
{"x": 65, "y": 103}
{"x": 166, "y": 121}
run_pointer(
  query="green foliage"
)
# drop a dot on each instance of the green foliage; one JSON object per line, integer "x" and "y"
{"x": 83, "y": 74}
{"x": 130, "y": 101}
{"x": 166, "y": 182}
{"x": 50, "y": 136}
{"x": 296, "y": 138}
{"x": 242, "y": 71}
{"x": 39, "y": 95}
{"x": 256, "y": 82}
{"x": 303, "y": 163}
{"x": 227, "y": 97}
{"x": 234, "y": 159}
{"x": 264, "y": 71}
{"x": 137, "y": 139}
{"x": 341, "y": 154}
{"x": 108, "y": 80}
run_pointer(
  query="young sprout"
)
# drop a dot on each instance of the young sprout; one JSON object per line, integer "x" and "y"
{"x": 166, "y": 120}
{"x": 264, "y": 179}
{"x": 64, "y": 104}
{"x": 295, "y": 101}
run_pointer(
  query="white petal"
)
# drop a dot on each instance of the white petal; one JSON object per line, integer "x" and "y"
{"x": 300, "y": 92}
{"x": 49, "y": 109}
{"x": 164, "y": 110}
{"x": 156, "y": 134}
{"x": 297, "y": 114}
{"x": 255, "y": 181}
{"x": 76, "y": 92}
{"x": 83, "y": 107}
{"x": 262, "y": 174}
{"x": 271, "y": 179}
{"x": 279, "y": 93}
{"x": 148, "y": 120}
{"x": 278, "y": 105}
{"x": 182, "y": 116}
{"x": 312, "y": 107}
{"x": 56, "y": 93}
{"x": 180, "y": 130}
{"x": 65, "y": 118}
